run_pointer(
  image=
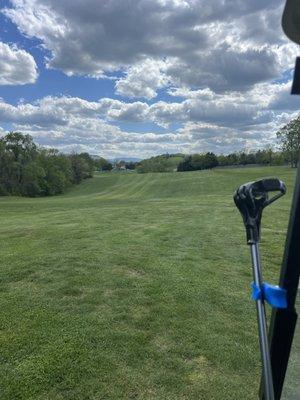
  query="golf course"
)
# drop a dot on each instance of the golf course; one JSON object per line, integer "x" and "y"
{"x": 134, "y": 286}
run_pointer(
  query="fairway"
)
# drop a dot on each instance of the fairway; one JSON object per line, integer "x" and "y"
{"x": 134, "y": 286}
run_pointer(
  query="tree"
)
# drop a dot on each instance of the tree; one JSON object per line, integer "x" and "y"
{"x": 289, "y": 136}
{"x": 107, "y": 167}
{"x": 80, "y": 168}
{"x": 58, "y": 171}
{"x": 185, "y": 164}
{"x": 198, "y": 161}
{"x": 229, "y": 159}
{"x": 102, "y": 164}
{"x": 32, "y": 179}
{"x": 210, "y": 160}
{"x": 153, "y": 164}
{"x": 26, "y": 170}
{"x": 130, "y": 165}
{"x": 17, "y": 150}
{"x": 21, "y": 146}
{"x": 90, "y": 163}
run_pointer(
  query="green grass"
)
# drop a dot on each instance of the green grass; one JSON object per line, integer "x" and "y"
{"x": 134, "y": 287}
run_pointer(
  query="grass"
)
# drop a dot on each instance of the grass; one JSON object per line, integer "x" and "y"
{"x": 134, "y": 287}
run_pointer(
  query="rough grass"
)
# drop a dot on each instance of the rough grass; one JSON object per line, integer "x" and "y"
{"x": 134, "y": 287}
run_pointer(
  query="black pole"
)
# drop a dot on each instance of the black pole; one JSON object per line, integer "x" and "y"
{"x": 262, "y": 326}
{"x": 283, "y": 321}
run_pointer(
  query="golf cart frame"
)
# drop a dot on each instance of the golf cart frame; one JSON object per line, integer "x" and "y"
{"x": 283, "y": 321}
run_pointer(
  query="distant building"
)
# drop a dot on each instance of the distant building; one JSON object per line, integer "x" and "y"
{"x": 119, "y": 166}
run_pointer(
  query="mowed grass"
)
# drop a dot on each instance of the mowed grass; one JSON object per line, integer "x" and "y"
{"x": 134, "y": 287}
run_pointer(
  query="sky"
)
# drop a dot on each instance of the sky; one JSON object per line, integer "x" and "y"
{"x": 136, "y": 78}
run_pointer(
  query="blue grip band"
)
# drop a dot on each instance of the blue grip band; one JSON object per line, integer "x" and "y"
{"x": 273, "y": 295}
{"x": 256, "y": 292}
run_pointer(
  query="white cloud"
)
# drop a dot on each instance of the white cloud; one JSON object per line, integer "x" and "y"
{"x": 17, "y": 67}
{"x": 195, "y": 43}
{"x": 143, "y": 79}
{"x": 216, "y": 65}
{"x": 207, "y": 121}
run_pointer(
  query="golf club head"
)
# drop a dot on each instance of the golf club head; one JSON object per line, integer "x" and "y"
{"x": 256, "y": 193}
{"x": 251, "y": 198}
{"x": 262, "y": 188}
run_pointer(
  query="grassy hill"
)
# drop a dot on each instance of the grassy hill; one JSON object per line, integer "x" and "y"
{"x": 161, "y": 163}
{"x": 134, "y": 287}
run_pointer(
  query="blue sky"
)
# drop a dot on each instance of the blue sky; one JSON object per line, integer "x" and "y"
{"x": 50, "y": 82}
{"x": 138, "y": 78}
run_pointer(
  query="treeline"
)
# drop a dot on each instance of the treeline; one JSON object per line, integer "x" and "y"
{"x": 26, "y": 170}
{"x": 193, "y": 162}
{"x": 196, "y": 162}
{"x": 261, "y": 157}
{"x": 288, "y": 135}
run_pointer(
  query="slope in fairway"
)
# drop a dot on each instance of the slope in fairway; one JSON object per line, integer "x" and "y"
{"x": 134, "y": 287}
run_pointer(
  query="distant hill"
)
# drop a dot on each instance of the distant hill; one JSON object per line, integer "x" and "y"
{"x": 114, "y": 160}
{"x": 161, "y": 163}
{"x": 126, "y": 159}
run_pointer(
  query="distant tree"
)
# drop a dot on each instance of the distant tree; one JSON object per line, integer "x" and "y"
{"x": 89, "y": 162}
{"x": 223, "y": 160}
{"x": 261, "y": 157}
{"x": 243, "y": 160}
{"x": 210, "y": 160}
{"x": 289, "y": 135}
{"x": 278, "y": 158}
{"x": 251, "y": 158}
{"x": 196, "y": 162}
{"x": 270, "y": 155}
{"x": 107, "y": 167}
{"x": 265, "y": 157}
{"x": 130, "y": 165}
{"x": 185, "y": 164}
{"x": 229, "y": 159}
{"x": 80, "y": 168}
{"x": 181, "y": 155}
{"x": 102, "y": 164}
{"x": 154, "y": 164}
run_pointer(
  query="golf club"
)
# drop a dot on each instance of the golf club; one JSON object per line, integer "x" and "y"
{"x": 251, "y": 198}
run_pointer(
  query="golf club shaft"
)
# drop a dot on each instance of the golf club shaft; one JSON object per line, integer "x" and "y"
{"x": 262, "y": 327}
